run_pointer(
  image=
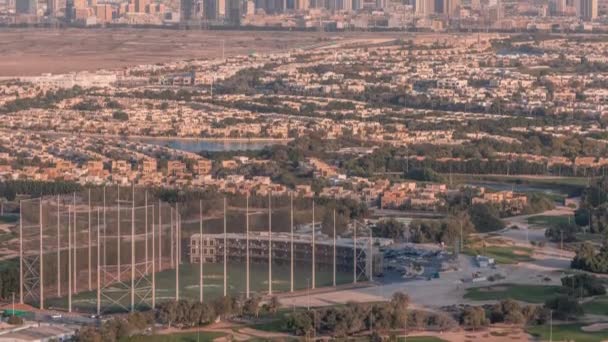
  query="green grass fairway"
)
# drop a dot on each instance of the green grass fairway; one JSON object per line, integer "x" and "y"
{"x": 544, "y": 220}
{"x": 524, "y": 293}
{"x": 421, "y": 339}
{"x": 503, "y": 255}
{"x": 213, "y": 284}
{"x": 522, "y": 179}
{"x": 203, "y": 336}
{"x": 567, "y": 332}
{"x": 597, "y": 306}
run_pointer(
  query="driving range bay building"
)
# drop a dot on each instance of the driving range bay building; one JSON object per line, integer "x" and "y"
{"x": 322, "y": 251}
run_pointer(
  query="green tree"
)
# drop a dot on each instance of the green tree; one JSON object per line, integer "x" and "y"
{"x": 474, "y": 318}
{"x": 485, "y": 218}
{"x": 564, "y": 307}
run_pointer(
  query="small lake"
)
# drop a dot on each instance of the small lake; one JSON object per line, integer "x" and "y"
{"x": 195, "y": 146}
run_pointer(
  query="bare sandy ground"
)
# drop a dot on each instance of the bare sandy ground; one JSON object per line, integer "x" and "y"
{"x": 495, "y": 333}
{"x": 32, "y": 51}
{"x": 36, "y": 51}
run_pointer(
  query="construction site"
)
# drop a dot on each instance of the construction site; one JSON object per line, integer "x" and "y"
{"x": 118, "y": 249}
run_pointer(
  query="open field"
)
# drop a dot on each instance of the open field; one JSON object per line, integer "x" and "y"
{"x": 203, "y": 336}
{"x": 555, "y": 187}
{"x": 36, "y": 51}
{"x": 213, "y": 283}
{"x": 597, "y": 306}
{"x": 524, "y": 293}
{"x": 31, "y": 51}
{"x": 502, "y": 254}
{"x": 546, "y": 220}
{"x": 567, "y": 332}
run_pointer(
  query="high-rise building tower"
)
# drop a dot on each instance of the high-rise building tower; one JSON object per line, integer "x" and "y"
{"x": 221, "y": 8}
{"x": 69, "y": 10}
{"x": 425, "y": 7}
{"x": 586, "y": 9}
{"x": 210, "y": 9}
{"x": 303, "y": 5}
{"x": 26, "y": 7}
{"x": 52, "y": 7}
{"x": 451, "y": 7}
{"x": 190, "y": 10}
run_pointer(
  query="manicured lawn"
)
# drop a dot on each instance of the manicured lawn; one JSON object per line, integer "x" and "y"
{"x": 567, "y": 332}
{"x": 203, "y": 336}
{"x": 275, "y": 325}
{"x": 563, "y": 183}
{"x": 597, "y": 306}
{"x": 421, "y": 339}
{"x": 213, "y": 283}
{"x": 503, "y": 254}
{"x": 545, "y": 220}
{"x": 524, "y": 293}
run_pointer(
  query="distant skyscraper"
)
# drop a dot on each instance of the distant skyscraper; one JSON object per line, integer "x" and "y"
{"x": 221, "y": 8}
{"x": 250, "y": 7}
{"x": 190, "y": 10}
{"x": 52, "y": 7}
{"x": 425, "y": 7}
{"x": 451, "y": 7}
{"x": 140, "y": 6}
{"x": 26, "y": 7}
{"x": 586, "y": 9}
{"x": 303, "y": 5}
{"x": 558, "y": 7}
{"x": 234, "y": 9}
{"x": 69, "y": 10}
{"x": 210, "y": 9}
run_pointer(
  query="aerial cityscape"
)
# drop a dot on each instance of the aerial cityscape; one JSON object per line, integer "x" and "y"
{"x": 258, "y": 170}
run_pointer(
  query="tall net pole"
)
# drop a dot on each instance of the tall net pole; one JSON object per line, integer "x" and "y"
{"x": 177, "y": 228}
{"x": 313, "y": 246}
{"x": 58, "y": 250}
{"x": 160, "y": 237}
{"x": 118, "y": 237}
{"x": 41, "y": 259}
{"x": 69, "y": 260}
{"x": 225, "y": 252}
{"x": 89, "y": 238}
{"x": 371, "y": 256}
{"x": 133, "y": 249}
{"x": 98, "y": 263}
{"x": 172, "y": 234}
{"x": 269, "y": 243}
{"x": 105, "y": 230}
{"x": 200, "y": 251}
{"x": 153, "y": 263}
{"x": 291, "y": 242}
{"x": 334, "y": 263}
{"x": 74, "y": 244}
{"x": 247, "y": 244}
{"x": 355, "y": 252}
{"x": 146, "y": 229}
{"x": 21, "y": 252}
